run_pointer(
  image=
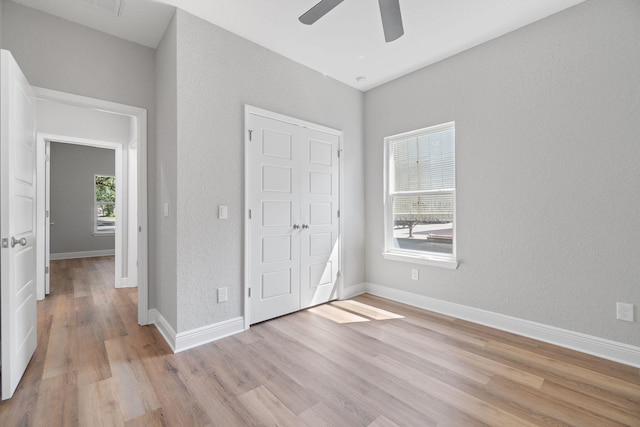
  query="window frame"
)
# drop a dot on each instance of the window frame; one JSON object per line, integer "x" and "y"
{"x": 97, "y": 232}
{"x": 406, "y": 255}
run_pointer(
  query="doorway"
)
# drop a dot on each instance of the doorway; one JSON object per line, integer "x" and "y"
{"x": 69, "y": 118}
{"x": 84, "y": 205}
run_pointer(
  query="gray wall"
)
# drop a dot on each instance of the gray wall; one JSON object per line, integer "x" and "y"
{"x": 73, "y": 168}
{"x": 547, "y": 170}
{"x": 1, "y": 5}
{"x": 166, "y": 173}
{"x": 217, "y": 73}
{"x": 61, "y": 55}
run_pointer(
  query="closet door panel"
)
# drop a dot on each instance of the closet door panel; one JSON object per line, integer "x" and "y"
{"x": 320, "y": 204}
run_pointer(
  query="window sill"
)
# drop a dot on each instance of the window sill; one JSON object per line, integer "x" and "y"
{"x": 435, "y": 261}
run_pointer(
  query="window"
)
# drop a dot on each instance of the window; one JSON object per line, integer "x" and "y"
{"x": 420, "y": 196}
{"x": 104, "y": 204}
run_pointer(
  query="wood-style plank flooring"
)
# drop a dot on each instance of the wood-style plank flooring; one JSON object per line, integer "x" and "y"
{"x": 363, "y": 362}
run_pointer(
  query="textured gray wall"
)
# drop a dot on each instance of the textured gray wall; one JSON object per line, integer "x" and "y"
{"x": 72, "y": 172}
{"x": 218, "y": 72}
{"x": 166, "y": 175}
{"x": 547, "y": 165}
{"x": 61, "y": 55}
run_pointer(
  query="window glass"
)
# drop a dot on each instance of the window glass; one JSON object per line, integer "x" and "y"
{"x": 105, "y": 204}
{"x": 421, "y": 183}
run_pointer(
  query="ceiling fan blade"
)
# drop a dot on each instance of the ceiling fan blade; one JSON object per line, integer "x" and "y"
{"x": 391, "y": 19}
{"x": 318, "y": 11}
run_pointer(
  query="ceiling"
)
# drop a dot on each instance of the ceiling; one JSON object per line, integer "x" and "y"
{"x": 347, "y": 44}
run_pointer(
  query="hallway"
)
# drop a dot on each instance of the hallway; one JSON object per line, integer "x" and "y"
{"x": 86, "y": 328}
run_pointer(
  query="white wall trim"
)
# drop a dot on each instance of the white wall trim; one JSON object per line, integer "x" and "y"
{"x": 196, "y": 337}
{"x": 600, "y": 347}
{"x": 83, "y": 254}
{"x": 209, "y": 333}
{"x": 163, "y": 327}
{"x": 353, "y": 291}
{"x": 126, "y": 283}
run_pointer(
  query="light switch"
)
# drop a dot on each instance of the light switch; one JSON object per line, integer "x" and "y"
{"x": 223, "y": 212}
{"x": 165, "y": 209}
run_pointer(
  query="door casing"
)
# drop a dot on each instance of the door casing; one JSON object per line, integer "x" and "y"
{"x": 43, "y": 202}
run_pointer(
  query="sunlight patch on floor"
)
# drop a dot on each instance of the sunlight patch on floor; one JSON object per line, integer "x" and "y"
{"x": 336, "y": 314}
{"x": 351, "y": 312}
{"x": 366, "y": 310}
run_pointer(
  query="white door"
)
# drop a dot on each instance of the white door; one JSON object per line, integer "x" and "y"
{"x": 293, "y": 198}
{"x": 275, "y": 223}
{"x": 320, "y": 198}
{"x": 18, "y": 336}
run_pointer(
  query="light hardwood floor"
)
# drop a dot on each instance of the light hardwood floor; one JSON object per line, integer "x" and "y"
{"x": 364, "y": 362}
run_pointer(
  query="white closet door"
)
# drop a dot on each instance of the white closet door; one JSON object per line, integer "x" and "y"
{"x": 320, "y": 203}
{"x": 293, "y": 195}
{"x": 275, "y": 209}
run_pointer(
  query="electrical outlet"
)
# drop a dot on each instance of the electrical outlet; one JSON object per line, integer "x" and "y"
{"x": 415, "y": 274}
{"x": 624, "y": 312}
{"x": 222, "y": 294}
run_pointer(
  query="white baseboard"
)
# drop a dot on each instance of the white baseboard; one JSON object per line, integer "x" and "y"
{"x": 189, "y": 339}
{"x": 163, "y": 327}
{"x": 600, "y": 347}
{"x": 124, "y": 283}
{"x": 83, "y": 254}
{"x": 209, "y": 333}
{"x": 353, "y": 291}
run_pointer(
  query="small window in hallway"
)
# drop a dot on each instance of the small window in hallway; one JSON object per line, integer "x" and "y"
{"x": 105, "y": 204}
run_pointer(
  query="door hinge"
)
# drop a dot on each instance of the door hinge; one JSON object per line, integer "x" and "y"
{"x": 139, "y": 229}
{"x": 338, "y": 213}
{"x": 249, "y": 292}
{"x": 339, "y": 152}
{"x": 249, "y": 213}
{"x": 46, "y": 214}
{"x": 47, "y": 157}
{"x": 46, "y": 270}
{"x": 5, "y": 243}
{"x": 250, "y": 135}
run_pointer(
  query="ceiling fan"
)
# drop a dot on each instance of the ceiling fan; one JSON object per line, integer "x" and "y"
{"x": 389, "y": 10}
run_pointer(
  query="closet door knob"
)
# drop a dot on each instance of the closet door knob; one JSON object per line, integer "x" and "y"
{"x": 296, "y": 226}
{"x": 15, "y": 242}
{"x": 305, "y": 226}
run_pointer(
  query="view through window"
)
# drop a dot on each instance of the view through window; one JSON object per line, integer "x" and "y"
{"x": 105, "y": 204}
{"x": 421, "y": 191}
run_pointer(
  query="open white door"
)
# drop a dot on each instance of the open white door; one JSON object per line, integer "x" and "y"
{"x": 18, "y": 336}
